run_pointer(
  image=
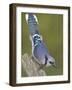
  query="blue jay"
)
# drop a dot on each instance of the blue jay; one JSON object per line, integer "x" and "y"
{"x": 39, "y": 50}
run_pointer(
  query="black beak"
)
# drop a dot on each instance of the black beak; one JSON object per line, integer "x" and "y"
{"x": 54, "y": 65}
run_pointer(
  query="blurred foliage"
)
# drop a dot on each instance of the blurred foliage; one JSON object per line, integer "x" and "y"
{"x": 51, "y": 29}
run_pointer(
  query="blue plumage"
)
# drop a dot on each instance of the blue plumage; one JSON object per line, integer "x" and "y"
{"x": 39, "y": 50}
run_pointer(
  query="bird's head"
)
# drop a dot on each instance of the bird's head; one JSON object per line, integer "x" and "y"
{"x": 50, "y": 61}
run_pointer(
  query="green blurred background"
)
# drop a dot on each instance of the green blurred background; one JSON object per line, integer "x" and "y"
{"x": 51, "y": 29}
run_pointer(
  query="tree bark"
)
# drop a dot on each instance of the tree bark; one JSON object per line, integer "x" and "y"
{"x": 31, "y": 67}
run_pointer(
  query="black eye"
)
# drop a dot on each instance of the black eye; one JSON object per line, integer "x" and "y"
{"x": 51, "y": 62}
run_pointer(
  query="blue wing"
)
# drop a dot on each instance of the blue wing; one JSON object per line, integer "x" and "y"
{"x": 40, "y": 51}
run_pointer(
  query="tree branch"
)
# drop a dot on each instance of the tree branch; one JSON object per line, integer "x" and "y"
{"x": 31, "y": 67}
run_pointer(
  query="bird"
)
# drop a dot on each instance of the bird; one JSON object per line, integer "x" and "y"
{"x": 39, "y": 50}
